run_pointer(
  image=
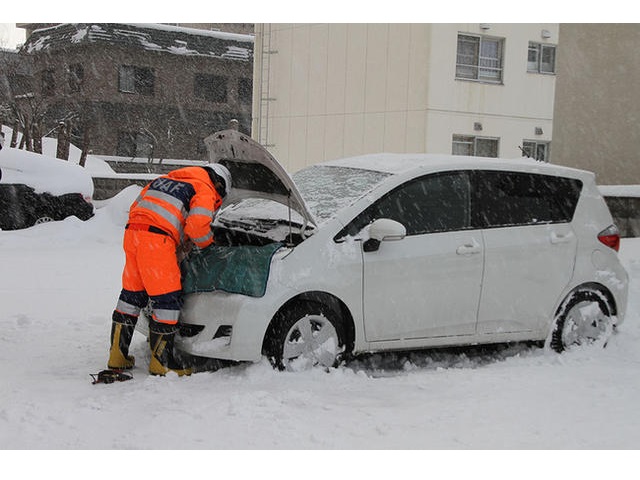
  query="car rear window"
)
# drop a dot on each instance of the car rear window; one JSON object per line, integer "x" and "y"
{"x": 516, "y": 198}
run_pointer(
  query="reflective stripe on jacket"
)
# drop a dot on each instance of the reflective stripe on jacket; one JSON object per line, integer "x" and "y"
{"x": 181, "y": 203}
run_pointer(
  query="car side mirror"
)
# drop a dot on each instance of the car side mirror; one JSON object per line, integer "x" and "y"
{"x": 383, "y": 230}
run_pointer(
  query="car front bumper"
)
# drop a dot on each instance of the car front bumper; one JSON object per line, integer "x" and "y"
{"x": 224, "y": 326}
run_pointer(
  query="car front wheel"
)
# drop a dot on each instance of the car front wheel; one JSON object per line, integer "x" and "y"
{"x": 305, "y": 336}
{"x": 586, "y": 319}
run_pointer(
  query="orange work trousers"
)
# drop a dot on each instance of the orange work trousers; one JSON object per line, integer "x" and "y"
{"x": 151, "y": 266}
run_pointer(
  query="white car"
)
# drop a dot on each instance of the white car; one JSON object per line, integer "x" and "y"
{"x": 399, "y": 252}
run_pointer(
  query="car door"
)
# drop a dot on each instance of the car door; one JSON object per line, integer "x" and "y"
{"x": 529, "y": 246}
{"x": 427, "y": 284}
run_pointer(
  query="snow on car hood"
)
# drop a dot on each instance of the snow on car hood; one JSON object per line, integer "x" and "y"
{"x": 255, "y": 173}
{"x": 43, "y": 173}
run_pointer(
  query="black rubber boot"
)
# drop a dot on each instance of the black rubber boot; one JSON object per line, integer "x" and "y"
{"x": 122, "y": 328}
{"x": 163, "y": 359}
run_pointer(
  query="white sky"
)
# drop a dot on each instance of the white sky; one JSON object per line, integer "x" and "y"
{"x": 336, "y": 11}
{"x": 385, "y": 11}
{"x": 10, "y": 36}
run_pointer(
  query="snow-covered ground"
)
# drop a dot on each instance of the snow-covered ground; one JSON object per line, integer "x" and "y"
{"x": 60, "y": 282}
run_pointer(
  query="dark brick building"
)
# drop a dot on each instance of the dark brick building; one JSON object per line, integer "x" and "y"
{"x": 142, "y": 90}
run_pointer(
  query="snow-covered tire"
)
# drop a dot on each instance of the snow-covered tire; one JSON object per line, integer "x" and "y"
{"x": 305, "y": 335}
{"x": 584, "y": 319}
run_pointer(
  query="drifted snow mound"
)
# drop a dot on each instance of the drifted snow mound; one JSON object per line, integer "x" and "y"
{"x": 107, "y": 225}
{"x": 117, "y": 208}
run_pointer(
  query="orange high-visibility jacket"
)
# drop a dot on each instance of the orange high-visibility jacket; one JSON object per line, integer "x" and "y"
{"x": 181, "y": 203}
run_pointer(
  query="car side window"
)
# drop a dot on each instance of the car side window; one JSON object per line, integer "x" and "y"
{"x": 433, "y": 203}
{"x": 519, "y": 198}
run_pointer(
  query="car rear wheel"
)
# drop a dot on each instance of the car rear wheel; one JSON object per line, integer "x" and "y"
{"x": 306, "y": 335}
{"x": 585, "y": 320}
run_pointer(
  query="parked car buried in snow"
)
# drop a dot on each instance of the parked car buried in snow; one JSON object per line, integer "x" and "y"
{"x": 399, "y": 252}
{"x": 35, "y": 189}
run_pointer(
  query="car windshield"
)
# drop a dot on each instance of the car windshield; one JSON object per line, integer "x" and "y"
{"x": 327, "y": 189}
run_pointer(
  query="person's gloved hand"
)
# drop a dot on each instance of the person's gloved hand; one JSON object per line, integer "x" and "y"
{"x": 184, "y": 249}
{"x": 199, "y": 251}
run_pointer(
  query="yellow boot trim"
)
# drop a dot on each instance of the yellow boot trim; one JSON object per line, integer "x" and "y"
{"x": 117, "y": 360}
{"x": 157, "y": 368}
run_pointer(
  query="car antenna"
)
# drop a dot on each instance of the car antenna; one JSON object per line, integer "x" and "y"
{"x": 526, "y": 154}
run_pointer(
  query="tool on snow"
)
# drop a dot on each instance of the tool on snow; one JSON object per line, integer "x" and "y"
{"x": 110, "y": 376}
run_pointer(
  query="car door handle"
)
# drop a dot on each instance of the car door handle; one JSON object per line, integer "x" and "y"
{"x": 557, "y": 238}
{"x": 470, "y": 248}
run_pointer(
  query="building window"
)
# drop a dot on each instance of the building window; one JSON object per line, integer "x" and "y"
{"x": 132, "y": 79}
{"x": 75, "y": 77}
{"x": 479, "y": 58}
{"x": 474, "y": 146}
{"x": 536, "y": 150}
{"x": 245, "y": 91}
{"x": 134, "y": 144}
{"x": 212, "y": 88}
{"x": 541, "y": 58}
{"x": 20, "y": 84}
{"x": 48, "y": 83}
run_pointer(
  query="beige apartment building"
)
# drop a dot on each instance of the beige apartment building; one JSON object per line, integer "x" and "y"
{"x": 325, "y": 91}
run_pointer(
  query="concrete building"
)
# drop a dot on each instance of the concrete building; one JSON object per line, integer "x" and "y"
{"x": 12, "y": 69}
{"x": 324, "y": 91}
{"x": 597, "y": 105}
{"x": 140, "y": 90}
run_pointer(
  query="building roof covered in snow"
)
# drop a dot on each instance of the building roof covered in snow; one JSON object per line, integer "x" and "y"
{"x": 149, "y": 36}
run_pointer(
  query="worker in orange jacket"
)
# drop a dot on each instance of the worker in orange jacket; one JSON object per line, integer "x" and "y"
{"x": 171, "y": 212}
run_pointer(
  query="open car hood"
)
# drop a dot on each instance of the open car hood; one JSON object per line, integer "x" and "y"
{"x": 254, "y": 172}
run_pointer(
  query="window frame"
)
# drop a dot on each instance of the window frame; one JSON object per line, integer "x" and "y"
{"x": 136, "y": 80}
{"x": 126, "y": 79}
{"x": 75, "y": 77}
{"x": 20, "y": 84}
{"x": 476, "y": 67}
{"x": 133, "y": 144}
{"x": 472, "y": 140}
{"x": 245, "y": 90}
{"x": 536, "y": 66}
{"x": 48, "y": 82}
{"x": 126, "y": 145}
{"x": 536, "y": 144}
{"x": 211, "y": 87}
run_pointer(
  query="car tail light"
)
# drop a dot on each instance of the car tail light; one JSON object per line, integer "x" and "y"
{"x": 610, "y": 237}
